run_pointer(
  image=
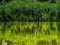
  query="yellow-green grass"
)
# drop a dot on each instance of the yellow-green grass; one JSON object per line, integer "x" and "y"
{"x": 20, "y": 33}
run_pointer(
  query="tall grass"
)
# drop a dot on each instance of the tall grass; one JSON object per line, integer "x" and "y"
{"x": 31, "y": 33}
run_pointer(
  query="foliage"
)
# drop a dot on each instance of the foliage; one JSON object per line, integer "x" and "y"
{"x": 32, "y": 11}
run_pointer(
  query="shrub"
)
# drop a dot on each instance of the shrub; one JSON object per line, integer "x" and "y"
{"x": 30, "y": 11}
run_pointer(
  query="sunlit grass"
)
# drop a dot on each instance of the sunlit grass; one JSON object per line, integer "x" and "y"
{"x": 30, "y": 33}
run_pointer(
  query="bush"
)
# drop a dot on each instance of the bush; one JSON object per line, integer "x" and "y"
{"x": 30, "y": 11}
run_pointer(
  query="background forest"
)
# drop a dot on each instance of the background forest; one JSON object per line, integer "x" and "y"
{"x": 29, "y": 10}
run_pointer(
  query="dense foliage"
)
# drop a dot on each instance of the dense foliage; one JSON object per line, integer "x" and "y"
{"x": 22, "y": 22}
{"x": 17, "y": 10}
